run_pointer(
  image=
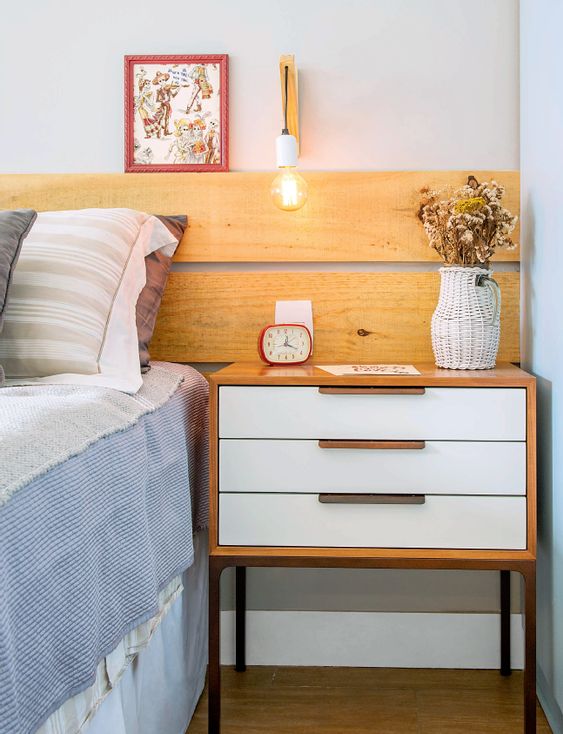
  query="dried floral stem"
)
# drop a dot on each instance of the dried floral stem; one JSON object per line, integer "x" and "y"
{"x": 467, "y": 227}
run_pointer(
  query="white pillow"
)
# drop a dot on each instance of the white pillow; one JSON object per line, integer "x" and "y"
{"x": 71, "y": 314}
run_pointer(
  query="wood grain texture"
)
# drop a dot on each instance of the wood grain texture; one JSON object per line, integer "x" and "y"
{"x": 213, "y": 465}
{"x": 292, "y": 94}
{"x": 279, "y": 700}
{"x": 216, "y": 317}
{"x": 255, "y": 373}
{"x": 381, "y": 445}
{"x": 430, "y": 558}
{"x": 363, "y": 216}
{"x": 531, "y": 448}
{"x": 372, "y": 390}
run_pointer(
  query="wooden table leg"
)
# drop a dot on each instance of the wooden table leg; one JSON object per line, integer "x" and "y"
{"x": 505, "y": 662}
{"x": 214, "y": 670}
{"x": 530, "y": 651}
{"x": 240, "y": 620}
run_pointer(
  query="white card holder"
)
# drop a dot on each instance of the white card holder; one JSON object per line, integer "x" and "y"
{"x": 295, "y": 312}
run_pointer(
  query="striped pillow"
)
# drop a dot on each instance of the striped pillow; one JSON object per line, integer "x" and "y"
{"x": 71, "y": 315}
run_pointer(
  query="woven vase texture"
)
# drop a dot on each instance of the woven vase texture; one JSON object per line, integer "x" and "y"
{"x": 466, "y": 322}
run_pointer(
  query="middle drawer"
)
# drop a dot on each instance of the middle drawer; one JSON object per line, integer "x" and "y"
{"x": 431, "y": 467}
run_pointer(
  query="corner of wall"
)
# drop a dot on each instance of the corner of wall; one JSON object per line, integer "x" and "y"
{"x": 548, "y": 703}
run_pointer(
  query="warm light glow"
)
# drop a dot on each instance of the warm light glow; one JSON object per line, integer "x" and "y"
{"x": 289, "y": 190}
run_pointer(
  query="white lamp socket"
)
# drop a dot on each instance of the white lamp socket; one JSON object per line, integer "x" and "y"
{"x": 286, "y": 151}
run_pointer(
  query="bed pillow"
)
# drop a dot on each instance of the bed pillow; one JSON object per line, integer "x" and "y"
{"x": 158, "y": 267}
{"x": 71, "y": 314}
{"x": 14, "y": 226}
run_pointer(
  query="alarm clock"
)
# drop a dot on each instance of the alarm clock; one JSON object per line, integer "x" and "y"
{"x": 285, "y": 344}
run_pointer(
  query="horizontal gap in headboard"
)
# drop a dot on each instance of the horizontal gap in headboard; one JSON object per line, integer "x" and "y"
{"x": 350, "y": 217}
{"x": 216, "y": 317}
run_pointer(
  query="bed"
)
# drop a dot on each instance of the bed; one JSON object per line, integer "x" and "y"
{"x": 103, "y": 515}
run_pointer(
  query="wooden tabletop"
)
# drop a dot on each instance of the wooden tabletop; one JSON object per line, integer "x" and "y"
{"x": 256, "y": 373}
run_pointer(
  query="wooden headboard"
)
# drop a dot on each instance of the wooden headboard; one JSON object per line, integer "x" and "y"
{"x": 375, "y": 308}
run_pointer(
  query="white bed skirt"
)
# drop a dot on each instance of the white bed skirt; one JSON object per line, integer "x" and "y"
{"x": 159, "y": 691}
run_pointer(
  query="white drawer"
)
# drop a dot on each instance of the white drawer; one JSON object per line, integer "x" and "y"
{"x": 470, "y": 414}
{"x": 441, "y": 467}
{"x": 287, "y": 520}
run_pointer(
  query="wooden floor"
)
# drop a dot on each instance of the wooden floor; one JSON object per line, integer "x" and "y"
{"x": 277, "y": 700}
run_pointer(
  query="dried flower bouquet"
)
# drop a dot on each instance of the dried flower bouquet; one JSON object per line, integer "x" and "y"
{"x": 466, "y": 228}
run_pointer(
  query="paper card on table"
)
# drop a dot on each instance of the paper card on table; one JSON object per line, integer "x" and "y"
{"x": 295, "y": 312}
{"x": 370, "y": 369}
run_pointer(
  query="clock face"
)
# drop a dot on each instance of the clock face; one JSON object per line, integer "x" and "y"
{"x": 285, "y": 344}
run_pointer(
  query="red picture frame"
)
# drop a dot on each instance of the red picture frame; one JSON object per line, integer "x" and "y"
{"x": 190, "y": 135}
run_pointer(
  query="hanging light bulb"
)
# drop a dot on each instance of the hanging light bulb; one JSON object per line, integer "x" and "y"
{"x": 289, "y": 188}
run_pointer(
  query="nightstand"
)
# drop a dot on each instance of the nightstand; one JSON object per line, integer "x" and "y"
{"x": 431, "y": 471}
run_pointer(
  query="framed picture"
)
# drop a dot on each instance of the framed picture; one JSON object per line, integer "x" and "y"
{"x": 176, "y": 113}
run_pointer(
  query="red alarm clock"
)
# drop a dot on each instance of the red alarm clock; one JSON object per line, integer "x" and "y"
{"x": 285, "y": 344}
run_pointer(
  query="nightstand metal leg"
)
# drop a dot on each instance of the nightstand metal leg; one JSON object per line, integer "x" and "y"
{"x": 240, "y": 621}
{"x": 530, "y": 651}
{"x": 214, "y": 669}
{"x": 505, "y": 661}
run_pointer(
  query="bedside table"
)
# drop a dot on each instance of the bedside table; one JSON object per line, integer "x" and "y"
{"x": 431, "y": 471}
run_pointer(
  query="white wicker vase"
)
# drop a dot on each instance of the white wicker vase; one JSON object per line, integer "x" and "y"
{"x": 466, "y": 322}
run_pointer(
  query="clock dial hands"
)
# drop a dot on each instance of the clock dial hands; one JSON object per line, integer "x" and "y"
{"x": 285, "y": 343}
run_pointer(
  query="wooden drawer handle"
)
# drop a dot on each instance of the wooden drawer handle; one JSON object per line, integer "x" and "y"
{"x": 372, "y": 499}
{"x": 344, "y": 444}
{"x": 372, "y": 390}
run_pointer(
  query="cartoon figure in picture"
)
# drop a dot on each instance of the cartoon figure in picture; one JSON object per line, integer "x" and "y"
{"x": 165, "y": 93}
{"x": 145, "y": 156}
{"x": 181, "y": 147}
{"x": 201, "y": 80}
{"x": 213, "y": 148}
{"x": 144, "y": 105}
{"x": 203, "y": 88}
{"x": 198, "y": 146}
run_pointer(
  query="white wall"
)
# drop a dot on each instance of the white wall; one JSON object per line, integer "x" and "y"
{"x": 542, "y": 266}
{"x": 384, "y": 84}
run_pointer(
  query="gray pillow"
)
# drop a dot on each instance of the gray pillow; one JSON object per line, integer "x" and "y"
{"x": 14, "y": 227}
{"x": 148, "y": 303}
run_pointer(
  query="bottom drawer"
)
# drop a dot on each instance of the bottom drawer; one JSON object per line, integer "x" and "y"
{"x": 441, "y": 522}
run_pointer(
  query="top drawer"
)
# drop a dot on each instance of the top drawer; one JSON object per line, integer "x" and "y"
{"x": 440, "y": 414}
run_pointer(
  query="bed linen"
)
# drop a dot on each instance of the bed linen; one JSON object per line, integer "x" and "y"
{"x": 158, "y": 689}
{"x": 155, "y": 688}
{"x": 157, "y": 265}
{"x": 41, "y": 427}
{"x": 87, "y": 547}
{"x": 71, "y": 316}
{"x": 77, "y": 711}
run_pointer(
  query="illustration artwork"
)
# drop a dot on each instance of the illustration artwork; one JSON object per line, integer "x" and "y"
{"x": 176, "y": 113}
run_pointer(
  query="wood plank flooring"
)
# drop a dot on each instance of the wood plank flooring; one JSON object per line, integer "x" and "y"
{"x": 284, "y": 700}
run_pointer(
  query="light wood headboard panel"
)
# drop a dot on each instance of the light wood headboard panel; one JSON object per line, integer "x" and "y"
{"x": 216, "y": 317}
{"x": 350, "y": 217}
